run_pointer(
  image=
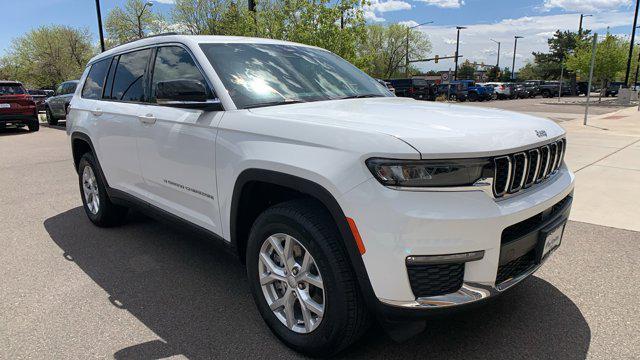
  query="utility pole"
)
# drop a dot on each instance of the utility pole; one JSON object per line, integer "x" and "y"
{"x": 497, "y": 62}
{"x": 633, "y": 36}
{"x": 580, "y": 27}
{"x": 100, "y": 25}
{"x": 593, "y": 61}
{"x": 406, "y": 54}
{"x": 515, "y": 46}
{"x": 455, "y": 72}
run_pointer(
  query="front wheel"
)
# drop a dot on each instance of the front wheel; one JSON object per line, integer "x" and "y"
{"x": 51, "y": 120}
{"x": 301, "y": 279}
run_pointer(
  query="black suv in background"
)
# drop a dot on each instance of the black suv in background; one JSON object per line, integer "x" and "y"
{"x": 413, "y": 88}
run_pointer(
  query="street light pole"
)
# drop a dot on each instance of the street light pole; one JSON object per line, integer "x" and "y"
{"x": 455, "y": 72}
{"x": 406, "y": 54}
{"x": 580, "y": 27}
{"x": 515, "y": 46}
{"x": 100, "y": 25}
{"x": 633, "y": 36}
{"x": 497, "y": 62}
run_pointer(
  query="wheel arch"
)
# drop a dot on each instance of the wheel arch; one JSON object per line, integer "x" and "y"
{"x": 308, "y": 188}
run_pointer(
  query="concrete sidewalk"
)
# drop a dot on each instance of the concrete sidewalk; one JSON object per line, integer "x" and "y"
{"x": 605, "y": 155}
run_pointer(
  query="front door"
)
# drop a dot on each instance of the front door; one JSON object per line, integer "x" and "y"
{"x": 177, "y": 147}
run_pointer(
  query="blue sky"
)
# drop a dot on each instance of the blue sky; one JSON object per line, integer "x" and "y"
{"x": 536, "y": 20}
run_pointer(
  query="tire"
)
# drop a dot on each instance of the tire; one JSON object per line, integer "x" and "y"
{"x": 34, "y": 125}
{"x": 345, "y": 317}
{"x": 102, "y": 213}
{"x": 51, "y": 120}
{"x": 473, "y": 97}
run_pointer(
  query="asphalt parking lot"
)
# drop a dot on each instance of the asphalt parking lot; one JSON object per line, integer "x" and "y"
{"x": 146, "y": 290}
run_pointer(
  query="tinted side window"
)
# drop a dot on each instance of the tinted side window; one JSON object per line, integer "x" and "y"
{"x": 95, "y": 80}
{"x": 59, "y": 90}
{"x": 173, "y": 63}
{"x": 128, "y": 84}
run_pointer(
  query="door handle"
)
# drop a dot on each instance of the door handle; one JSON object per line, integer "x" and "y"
{"x": 148, "y": 119}
{"x": 96, "y": 112}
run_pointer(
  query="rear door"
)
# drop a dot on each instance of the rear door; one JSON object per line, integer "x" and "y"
{"x": 116, "y": 117}
{"x": 177, "y": 146}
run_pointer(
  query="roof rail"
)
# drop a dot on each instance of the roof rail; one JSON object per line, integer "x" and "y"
{"x": 150, "y": 36}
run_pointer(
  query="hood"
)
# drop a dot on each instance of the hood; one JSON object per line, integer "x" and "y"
{"x": 436, "y": 130}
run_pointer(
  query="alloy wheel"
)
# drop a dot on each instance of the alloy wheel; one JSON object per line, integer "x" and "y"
{"x": 291, "y": 283}
{"x": 90, "y": 190}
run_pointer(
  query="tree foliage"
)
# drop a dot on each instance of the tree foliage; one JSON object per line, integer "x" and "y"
{"x": 610, "y": 62}
{"x": 466, "y": 71}
{"x": 383, "y": 52}
{"x": 47, "y": 56}
{"x": 135, "y": 21}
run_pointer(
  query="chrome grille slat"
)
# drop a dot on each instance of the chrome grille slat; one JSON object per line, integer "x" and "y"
{"x": 532, "y": 173}
{"x": 518, "y": 171}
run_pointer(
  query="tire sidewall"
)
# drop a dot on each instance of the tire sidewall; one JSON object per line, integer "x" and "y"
{"x": 328, "y": 331}
{"x": 88, "y": 160}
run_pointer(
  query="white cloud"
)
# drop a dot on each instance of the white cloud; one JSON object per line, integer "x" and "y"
{"x": 586, "y": 5}
{"x": 450, "y": 4}
{"x": 165, "y": 1}
{"x": 390, "y": 5}
{"x": 371, "y": 16}
{"x": 408, "y": 23}
{"x": 376, "y": 7}
{"x": 475, "y": 43}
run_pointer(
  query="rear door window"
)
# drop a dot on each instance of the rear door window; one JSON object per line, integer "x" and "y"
{"x": 69, "y": 87}
{"x": 129, "y": 81}
{"x": 94, "y": 84}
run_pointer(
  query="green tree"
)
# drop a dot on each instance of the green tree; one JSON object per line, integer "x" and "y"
{"x": 48, "y": 55}
{"x": 135, "y": 21}
{"x": 466, "y": 71}
{"x": 528, "y": 72}
{"x": 493, "y": 74}
{"x": 383, "y": 51}
{"x": 610, "y": 62}
{"x": 505, "y": 75}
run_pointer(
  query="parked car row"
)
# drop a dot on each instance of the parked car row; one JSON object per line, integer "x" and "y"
{"x": 463, "y": 90}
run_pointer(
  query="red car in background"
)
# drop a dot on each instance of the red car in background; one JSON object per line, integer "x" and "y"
{"x": 17, "y": 107}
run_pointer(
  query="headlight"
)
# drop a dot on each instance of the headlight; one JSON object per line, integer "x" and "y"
{"x": 428, "y": 173}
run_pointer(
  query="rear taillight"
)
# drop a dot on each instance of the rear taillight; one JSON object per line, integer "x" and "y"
{"x": 501, "y": 87}
{"x": 411, "y": 90}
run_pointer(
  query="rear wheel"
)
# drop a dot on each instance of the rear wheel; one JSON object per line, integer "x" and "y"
{"x": 34, "y": 125}
{"x": 51, "y": 120}
{"x": 97, "y": 205}
{"x": 301, "y": 279}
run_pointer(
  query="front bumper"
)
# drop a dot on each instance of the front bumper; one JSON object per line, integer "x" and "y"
{"x": 397, "y": 224}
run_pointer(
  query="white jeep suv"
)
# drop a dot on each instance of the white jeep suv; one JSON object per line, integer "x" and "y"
{"x": 346, "y": 203}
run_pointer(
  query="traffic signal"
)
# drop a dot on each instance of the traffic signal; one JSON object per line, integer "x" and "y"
{"x": 436, "y": 59}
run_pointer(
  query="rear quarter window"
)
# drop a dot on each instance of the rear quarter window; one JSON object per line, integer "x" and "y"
{"x": 94, "y": 84}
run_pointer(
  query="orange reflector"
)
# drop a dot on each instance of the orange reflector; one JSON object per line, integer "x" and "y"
{"x": 356, "y": 235}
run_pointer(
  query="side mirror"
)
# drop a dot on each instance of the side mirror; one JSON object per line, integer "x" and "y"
{"x": 185, "y": 93}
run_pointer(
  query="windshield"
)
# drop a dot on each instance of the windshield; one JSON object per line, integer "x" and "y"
{"x": 271, "y": 74}
{"x": 11, "y": 89}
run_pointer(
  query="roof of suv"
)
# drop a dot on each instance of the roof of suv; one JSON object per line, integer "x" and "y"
{"x": 189, "y": 39}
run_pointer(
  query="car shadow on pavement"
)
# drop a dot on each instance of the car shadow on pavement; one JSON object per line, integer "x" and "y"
{"x": 195, "y": 297}
{"x": 9, "y": 131}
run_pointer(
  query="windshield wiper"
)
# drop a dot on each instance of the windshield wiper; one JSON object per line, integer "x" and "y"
{"x": 273, "y": 103}
{"x": 359, "y": 96}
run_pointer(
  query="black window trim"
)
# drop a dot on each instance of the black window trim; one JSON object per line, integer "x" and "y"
{"x": 104, "y": 80}
{"x": 153, "y": 48}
